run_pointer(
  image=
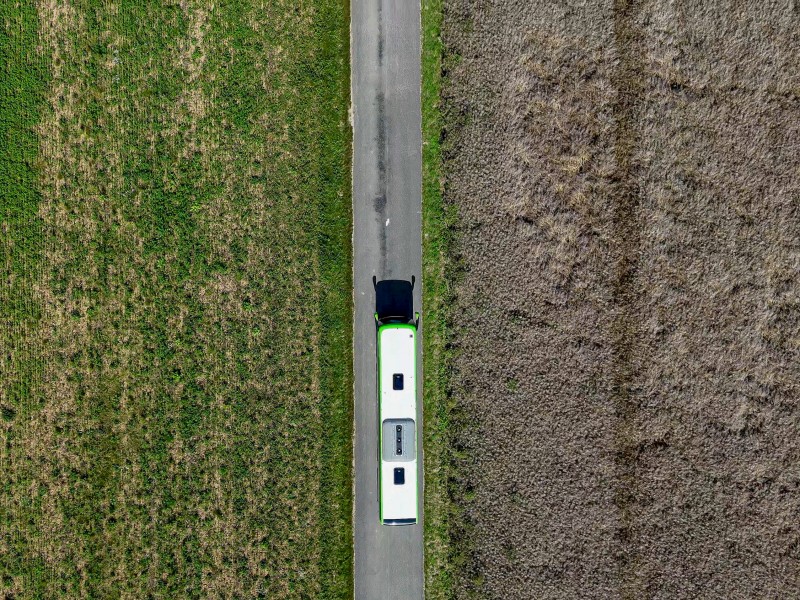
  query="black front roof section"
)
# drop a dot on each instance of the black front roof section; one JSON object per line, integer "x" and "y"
{"x": 394, "y": 300}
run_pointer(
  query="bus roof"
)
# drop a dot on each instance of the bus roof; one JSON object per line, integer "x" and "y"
{"x": 397, "y": 358}
{"x": 397, "y": 385}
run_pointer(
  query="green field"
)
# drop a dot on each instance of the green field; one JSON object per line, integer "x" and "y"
{"x": 175, "y": 352}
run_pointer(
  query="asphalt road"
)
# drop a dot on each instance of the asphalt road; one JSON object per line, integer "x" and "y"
{"x": 387, "y": 188}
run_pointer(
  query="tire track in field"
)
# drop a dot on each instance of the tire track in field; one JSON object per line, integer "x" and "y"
{"x": 628, "y": 82}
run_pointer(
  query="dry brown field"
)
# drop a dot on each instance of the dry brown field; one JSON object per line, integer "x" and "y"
{"x": 625, "y": 336}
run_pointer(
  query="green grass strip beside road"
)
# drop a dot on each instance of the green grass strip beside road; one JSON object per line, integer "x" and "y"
{"x": 436, "y": 239}
{"x": 336, "y": 273}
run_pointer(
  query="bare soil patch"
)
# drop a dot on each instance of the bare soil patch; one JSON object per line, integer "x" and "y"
{"x": 625, "y": 334}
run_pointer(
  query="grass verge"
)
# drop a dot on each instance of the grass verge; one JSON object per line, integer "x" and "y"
{"x": 436, "y": 238}
{"x": 336, "y": 273}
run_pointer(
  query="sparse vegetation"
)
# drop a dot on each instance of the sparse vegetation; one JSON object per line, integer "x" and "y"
{"x": 176, "y": 307}
{"x": 624, "y": 369}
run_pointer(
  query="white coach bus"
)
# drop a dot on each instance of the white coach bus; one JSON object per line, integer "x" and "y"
{"x": 397, "y": 402}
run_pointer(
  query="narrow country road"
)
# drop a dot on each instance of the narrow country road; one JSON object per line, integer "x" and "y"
{"x": 385, "y": 47}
